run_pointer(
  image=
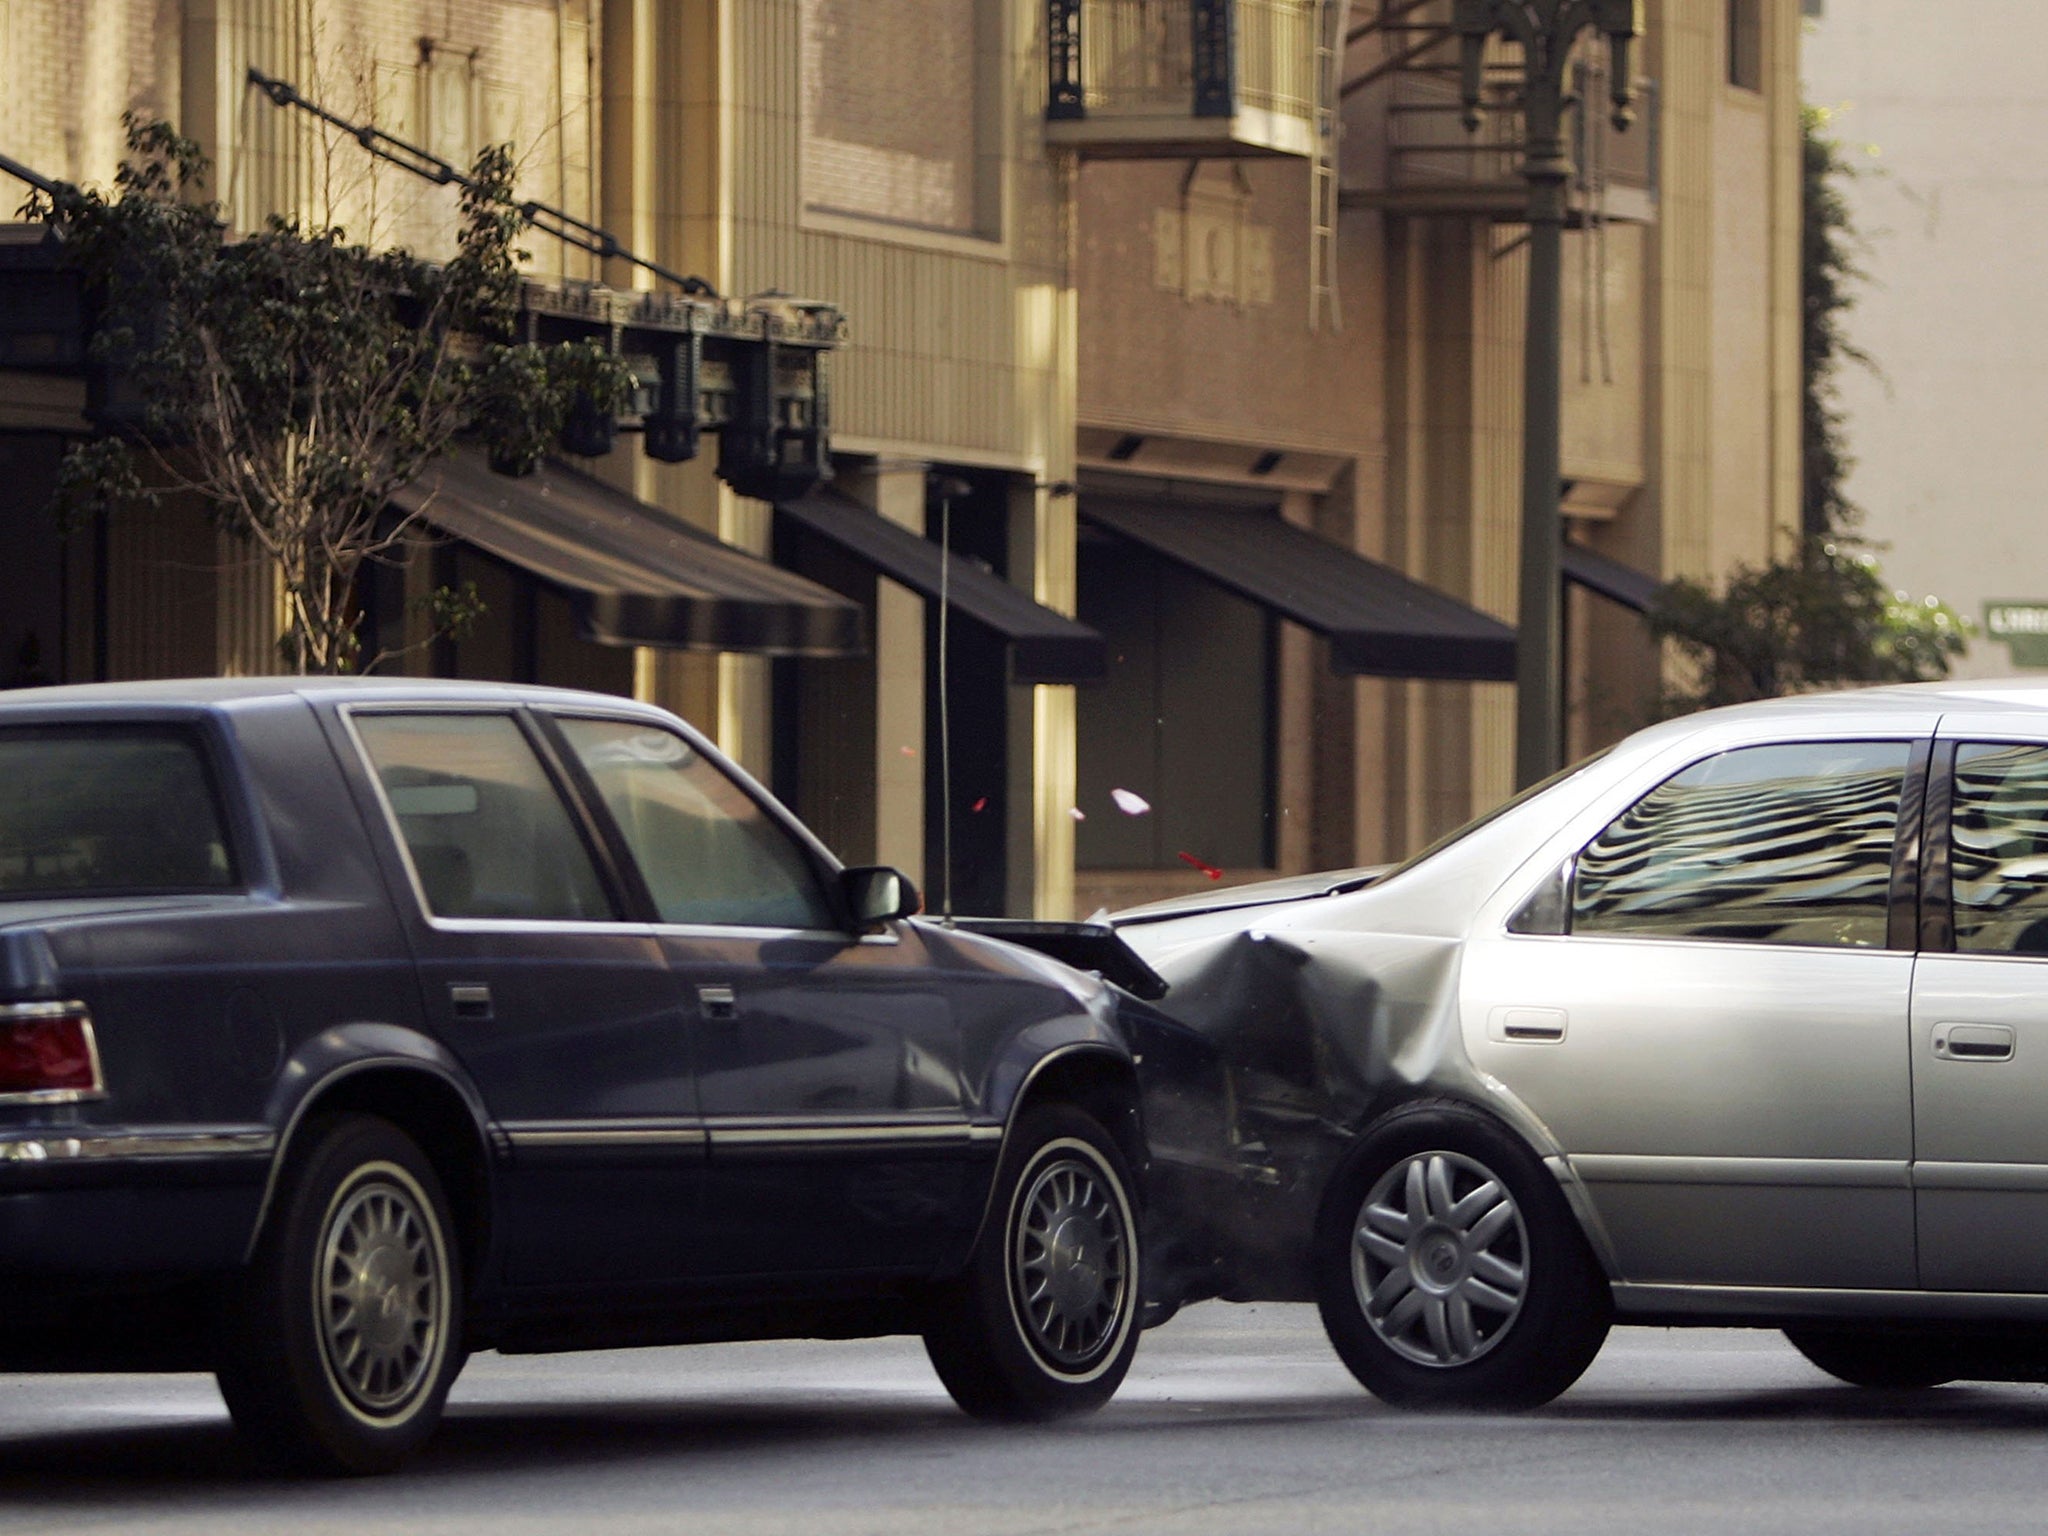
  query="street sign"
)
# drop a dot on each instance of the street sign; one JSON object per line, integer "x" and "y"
{"x": 2021, "y": 623}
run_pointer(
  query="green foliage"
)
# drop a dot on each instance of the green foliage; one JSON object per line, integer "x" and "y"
{"x": 1819, "y": 619}
{"x": 453, "y": 611}
{"x": 1828, "y": 274}
{"x": 1822, "y": 616}
{"x": 295, "y": 380}
{"x": 97, "y": 475}
{"x": 526, "y": 394}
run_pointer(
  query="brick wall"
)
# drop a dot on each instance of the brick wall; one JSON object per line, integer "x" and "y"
{"x": 890, "y": 100}
{"x": 72, "y": 67}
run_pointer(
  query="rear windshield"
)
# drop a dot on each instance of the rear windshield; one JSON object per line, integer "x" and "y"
{"x": 117, "y": 810}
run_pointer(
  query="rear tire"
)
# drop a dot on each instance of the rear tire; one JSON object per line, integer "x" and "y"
{"x": 340, "y": 1341}
{"x": 1897, "y": 1362}
{"x": 1044, "y": 1321}
{"x": 1450, "y": 1271}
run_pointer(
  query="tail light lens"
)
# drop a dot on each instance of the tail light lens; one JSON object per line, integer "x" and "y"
{"x": 48, "y": 1054}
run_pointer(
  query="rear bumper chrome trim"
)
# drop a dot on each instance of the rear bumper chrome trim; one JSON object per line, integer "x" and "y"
{"x": 139, "y": 1146}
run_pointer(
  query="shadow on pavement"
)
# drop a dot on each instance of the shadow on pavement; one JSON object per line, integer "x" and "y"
{"x": 75, "y": 1466}
{"x": 1962, "y": 1405}
{"x": 59, "y": 1466}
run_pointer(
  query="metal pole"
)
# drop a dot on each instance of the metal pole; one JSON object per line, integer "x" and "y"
{"x": 945, "y": 707}
{"x": 1545, "y": 31}
{"x": 1539, "y": 689}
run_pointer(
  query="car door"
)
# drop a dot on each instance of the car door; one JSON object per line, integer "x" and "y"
{"x": 564, "y": 1014}
{"x": 1713, "y": 1022}
{"x": 828, "y": 1062}
{"x": 1980, "y": 1013}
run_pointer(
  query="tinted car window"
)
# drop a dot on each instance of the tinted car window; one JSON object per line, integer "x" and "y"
{"x": 487, "y": 834}
{"x": 708, "y": 851}
{"x": 1999, "y": 838}
{"x": 108, "y": 810}
{"x": 1776, "y": 845}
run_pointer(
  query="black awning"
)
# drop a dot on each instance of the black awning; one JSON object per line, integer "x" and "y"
{"x": 636, "y": 575}
{"x": 1620, "y": 583}
{"x": 1378, "y": 622}
{"x": 1045, "y": 647}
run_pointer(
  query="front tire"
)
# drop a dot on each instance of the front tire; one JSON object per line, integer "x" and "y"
{"x": 1044, "y": 1321}
{"x": 1862, "y": 1357}
{"x": 341, "y": 1340}
{"x": 1449, "y": 1270}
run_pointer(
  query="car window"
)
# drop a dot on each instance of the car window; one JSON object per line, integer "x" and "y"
{"x": 1786, "y": 844}
{"x": 708, "y": 851}
{"x": 486, "y": 831}
{"x": 115, "y": 810}
{"x": 1998, "y": 838}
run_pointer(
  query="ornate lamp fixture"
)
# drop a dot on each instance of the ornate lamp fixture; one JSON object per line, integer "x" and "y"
{"x": 1547, "y": 31}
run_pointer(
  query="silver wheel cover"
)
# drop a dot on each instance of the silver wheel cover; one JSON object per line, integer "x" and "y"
{"x": 1439, "y": 1259}
{"x": 380, "y": 1293}
{"x": 1070, "y": 1260}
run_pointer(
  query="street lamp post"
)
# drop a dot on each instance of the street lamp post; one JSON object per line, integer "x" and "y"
{"x": 1546, "y": 31}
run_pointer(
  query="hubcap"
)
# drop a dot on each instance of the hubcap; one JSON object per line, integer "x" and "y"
{"x": 1440, "y": 1259}
{"x": 1068, "y": 1267}
{"x": 379, "y": 1291}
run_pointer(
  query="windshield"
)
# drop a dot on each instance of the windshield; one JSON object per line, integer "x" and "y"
{"x": 1459, "y": 834}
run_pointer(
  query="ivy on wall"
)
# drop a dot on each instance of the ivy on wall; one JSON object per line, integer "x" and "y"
{"x": 1821, "y": 616}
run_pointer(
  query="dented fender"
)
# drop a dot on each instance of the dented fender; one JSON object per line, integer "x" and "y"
{"x": 1321, "y": 1031}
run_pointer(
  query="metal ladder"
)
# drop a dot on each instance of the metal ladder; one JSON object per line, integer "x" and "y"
{"x": 1413, "y": 44}
{"x": 1332, "y": 17}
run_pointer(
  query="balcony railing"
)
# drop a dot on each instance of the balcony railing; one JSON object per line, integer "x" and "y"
{"x": 1434, "y": 165}
{"x": 1176, "y": 77}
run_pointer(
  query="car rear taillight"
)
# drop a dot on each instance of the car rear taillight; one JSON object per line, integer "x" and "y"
{"x": 48, "y": 1054}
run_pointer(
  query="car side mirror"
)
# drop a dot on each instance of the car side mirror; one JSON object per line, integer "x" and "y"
{"x": 876, "y": 893}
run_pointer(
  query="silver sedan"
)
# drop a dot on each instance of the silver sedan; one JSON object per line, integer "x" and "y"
{"x": 1744, "y": 1021}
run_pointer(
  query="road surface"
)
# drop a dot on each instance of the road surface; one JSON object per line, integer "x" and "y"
{"x": 1236, "y": 1420}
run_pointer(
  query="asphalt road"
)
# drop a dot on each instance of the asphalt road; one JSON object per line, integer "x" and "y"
{"x": 1236, "y": 1420}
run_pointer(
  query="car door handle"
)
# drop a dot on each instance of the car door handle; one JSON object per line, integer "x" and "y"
{"x": 472, "y": 1002}
{"x": 718, "y": 1004}
{"x": 1526, "y": 1024}
{"x": 1973, "y": 1042}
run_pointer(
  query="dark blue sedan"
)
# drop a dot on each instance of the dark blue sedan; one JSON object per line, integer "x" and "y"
{"x": 347, "y": 1027}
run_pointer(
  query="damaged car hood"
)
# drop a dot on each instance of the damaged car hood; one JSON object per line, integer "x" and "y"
{"x": 1264, "y": 893}
{"x": 1328, "y": 994}
{"x": 1319, "y": 1018}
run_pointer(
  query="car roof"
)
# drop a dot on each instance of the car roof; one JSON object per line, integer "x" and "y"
{"x": 2003, "y": 695}
{"x": 221, "y": 691}
{"x": 1960, "y": 693}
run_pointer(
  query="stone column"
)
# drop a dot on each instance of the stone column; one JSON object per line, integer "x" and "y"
{"x": 896, "y": 490}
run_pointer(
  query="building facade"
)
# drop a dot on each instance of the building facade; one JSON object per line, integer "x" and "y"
{"x": 1942, "y": 431}
{"x": 1367, "y": 385}
{"x": 1198, "y": 321}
